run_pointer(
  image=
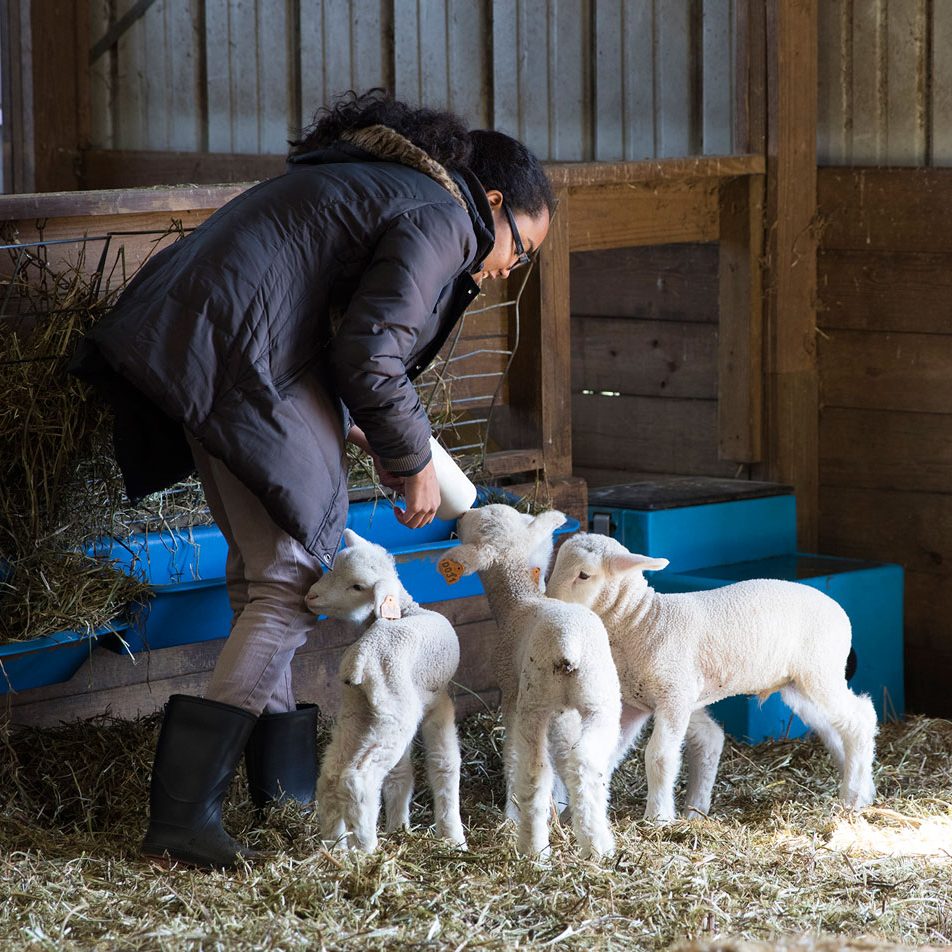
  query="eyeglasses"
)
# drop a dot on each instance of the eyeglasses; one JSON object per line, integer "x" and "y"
{"x": 522, "y": 256}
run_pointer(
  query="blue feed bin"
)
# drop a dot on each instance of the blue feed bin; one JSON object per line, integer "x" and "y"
{"x": 186, "y": 570}
{"x": 746, "y": 531}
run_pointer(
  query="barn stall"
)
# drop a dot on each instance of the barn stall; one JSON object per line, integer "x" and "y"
{"x": 722, "y": 341}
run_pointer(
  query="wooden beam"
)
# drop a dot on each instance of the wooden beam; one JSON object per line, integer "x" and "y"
{"x": 581, "y": 174}
{"x": 60, "y": 91}
{"x": 740, "y": 332}
{"x": 791, "y": 431}
{"x": 623, "y": 216}
{"x": 116, "y": 168}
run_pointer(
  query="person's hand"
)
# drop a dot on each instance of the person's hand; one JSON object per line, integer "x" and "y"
{"x": 422, "y": 493}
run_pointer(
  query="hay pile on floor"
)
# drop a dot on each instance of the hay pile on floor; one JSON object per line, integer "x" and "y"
{"x": 73, "y": 811}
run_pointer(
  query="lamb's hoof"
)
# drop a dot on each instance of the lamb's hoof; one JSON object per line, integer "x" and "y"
{"x": 601, "y": 847}
{"x": 660, "y": 816}
{"x": 695, "y": 813}
{"x": 537, "y": 851}
{"x": 858, "y": 799}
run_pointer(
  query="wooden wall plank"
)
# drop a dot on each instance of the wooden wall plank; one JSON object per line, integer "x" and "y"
{"x": 647, "y": 434}
{"x": 659, "y": 283}
{"x": 869, "y": 92}
{"x": 610, "y": 84}
{"x": 885, "y": 209}
{"x": 273, "y": 80}
{"x": 912, "y": 528}
{"x": 928, "y": 651}
{"x": 887, "y": 371}
{"x": 60, "y": 89}
{"x": 834, "y": 90}
{"x": 469, "y": 54}
{"x": 718, "y": 69}
{"x": 939, "y": 145}
{"x": 639, "y": 33}
{"x": 675, "y": 82}
{"x": 218, "y": 77}
{"x": 886, "y": 449}
{"x": 885, "y": 291}
{"x": 185, "y": 120}
{"x": 612, "y": 217}
{"x": 906, "y": 76}
{"x": 644, "y": 358}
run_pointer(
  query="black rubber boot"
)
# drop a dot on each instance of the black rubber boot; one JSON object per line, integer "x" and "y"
{"x": 281, "y": 757}
{"x": 195, "y": 759}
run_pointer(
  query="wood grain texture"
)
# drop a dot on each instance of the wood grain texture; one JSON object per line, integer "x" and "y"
{"x": 885, "y": 291}
{"x": 623, "y": 216}
{"x": 648, "y": 434}
{"x": 867, "y": 209}
{"x": 790, "y": 449}
{"x": 658, "y": 283}
{"x": 644, "y": 358}
{"x": 886, "y": 450}
{"x": 887, "y": 371}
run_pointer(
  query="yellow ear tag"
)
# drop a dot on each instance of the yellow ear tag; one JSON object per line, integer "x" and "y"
{"x": 451, "y": 570}
{"x": 390, "y": 608}
{"x": 536, "y": 574}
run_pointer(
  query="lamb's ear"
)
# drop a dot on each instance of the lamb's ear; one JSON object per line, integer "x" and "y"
{"x": 630, "y": 562}
{"x": 387, "y": 595}
{"x": 352, "y": 539}
{"x": 463, "y": 560}
{"x": 548, "y": 522}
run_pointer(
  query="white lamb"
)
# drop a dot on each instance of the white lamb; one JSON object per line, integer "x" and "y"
{"x": 554, "y": 668}
{"x": 395, "y": 679}
{"x": 677, "y": 653}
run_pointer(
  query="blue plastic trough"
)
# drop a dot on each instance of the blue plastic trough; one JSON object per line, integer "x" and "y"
{"x": 186, "y": 570}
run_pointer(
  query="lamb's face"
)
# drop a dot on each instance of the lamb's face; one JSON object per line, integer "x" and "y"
{"x": 363, "y": 574}
{"x": 499, "y": 534}
{"x": 579, "y": 573}
{"x": 589, "y": 565}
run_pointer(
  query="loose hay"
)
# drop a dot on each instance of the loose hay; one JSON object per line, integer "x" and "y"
{"x": 763, "y": 868}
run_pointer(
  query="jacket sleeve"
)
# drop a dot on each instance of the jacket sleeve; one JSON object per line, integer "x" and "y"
{"x": 418, "y": 255}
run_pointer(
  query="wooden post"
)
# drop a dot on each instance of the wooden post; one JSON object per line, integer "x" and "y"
{"x": 792, "y": 402}
{"x": 60, "y": 38}
{"x": 540, "y": 398}
{"x": 740, "y": 330}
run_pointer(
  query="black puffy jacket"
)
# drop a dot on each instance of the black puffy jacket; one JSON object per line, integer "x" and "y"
{"x": 341, "y": 278}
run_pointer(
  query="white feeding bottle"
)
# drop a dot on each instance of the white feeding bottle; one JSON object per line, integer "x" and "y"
{"x": 457, "y": 493}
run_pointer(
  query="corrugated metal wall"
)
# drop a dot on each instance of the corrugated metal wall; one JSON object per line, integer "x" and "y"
{"x": 885, "y": 93}
{"x": 575, "y": 79}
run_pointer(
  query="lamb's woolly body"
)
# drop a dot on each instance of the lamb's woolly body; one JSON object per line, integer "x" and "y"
{"x": 559, "y": 691}
{"x": 395, "y": 679}
{"x": 677, "y": 653}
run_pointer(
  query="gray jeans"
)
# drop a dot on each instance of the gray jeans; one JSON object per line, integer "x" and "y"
{"x": 267, "y": 574}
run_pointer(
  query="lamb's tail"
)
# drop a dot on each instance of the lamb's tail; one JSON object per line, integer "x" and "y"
{"x": 569, "y": 659}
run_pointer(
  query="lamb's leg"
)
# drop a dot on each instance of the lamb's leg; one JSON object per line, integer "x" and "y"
{"x": 588, "y": 771}
{"x": 853, "y": 718}
{"x": 442, "y": 767}
{"x": 633, "y": 720}
{"x": 398, "y": 793}
{"x": 705, "y": 741}
{"x": 532, "y": 782}
{"x": 362, "y": 779}
{"x": 509, "y": 763}
{"x": 663, "y": 758}
{"x": 329, "y": 794}
{"x": 814, "y": 717}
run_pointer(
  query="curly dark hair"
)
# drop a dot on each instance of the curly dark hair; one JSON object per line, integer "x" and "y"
{"x": 442, "y": 135}
{"x": 497, "y": 160}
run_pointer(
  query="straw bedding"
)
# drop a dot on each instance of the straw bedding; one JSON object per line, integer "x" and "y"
{"x": 778, "y": 865}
